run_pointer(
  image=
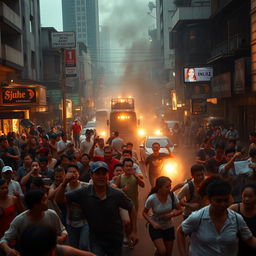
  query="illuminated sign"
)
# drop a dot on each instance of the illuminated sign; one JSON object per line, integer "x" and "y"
{"x": 196, "y": 74}
{"x": 19, "y": 95}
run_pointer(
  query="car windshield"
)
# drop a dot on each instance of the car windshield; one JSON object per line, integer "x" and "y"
{"x": 171, "y": 124}
{"x": 163, "y": 142}
{"x": 90, "y": 124}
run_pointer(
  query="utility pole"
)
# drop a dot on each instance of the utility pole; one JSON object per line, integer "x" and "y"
{"x": 64, "y": 41}
{"x": 64, "y": 91}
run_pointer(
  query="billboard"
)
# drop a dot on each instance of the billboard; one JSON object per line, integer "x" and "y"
{"x": 197, "y": 74}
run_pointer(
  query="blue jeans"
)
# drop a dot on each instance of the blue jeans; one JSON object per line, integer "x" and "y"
{"x": 79, "y": 237}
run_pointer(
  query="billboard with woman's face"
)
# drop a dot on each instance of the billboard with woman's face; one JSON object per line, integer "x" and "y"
{"x": 196, "y": 74}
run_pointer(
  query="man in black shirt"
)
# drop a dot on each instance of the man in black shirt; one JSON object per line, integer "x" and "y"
{"x": 155, "y": 162}
{"x": 205, "y": 153}
{"x": 100, "y": 203}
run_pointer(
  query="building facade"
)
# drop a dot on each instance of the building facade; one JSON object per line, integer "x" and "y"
{"x": 20, "y": 56}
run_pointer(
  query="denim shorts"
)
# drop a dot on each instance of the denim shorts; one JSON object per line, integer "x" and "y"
{"x": 165, "y": 234}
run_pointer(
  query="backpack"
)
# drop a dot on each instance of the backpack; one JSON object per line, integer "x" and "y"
{"x": 191, "y": 188}
{"x": 173, "y": 200}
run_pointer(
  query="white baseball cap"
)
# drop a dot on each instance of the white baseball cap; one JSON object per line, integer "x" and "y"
{"x": 6, "y": 169}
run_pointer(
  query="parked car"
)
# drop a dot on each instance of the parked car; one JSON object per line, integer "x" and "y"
{"x": 146, "y": 146}
{"x": 91, "y": 125}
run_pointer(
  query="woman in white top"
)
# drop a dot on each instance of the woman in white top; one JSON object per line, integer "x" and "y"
{"x": 164, "y": 205}
{"x": 215, "y": 230}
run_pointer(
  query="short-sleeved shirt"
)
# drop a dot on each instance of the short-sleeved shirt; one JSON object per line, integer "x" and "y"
{"x": 102, "y": 214}
{"x": 111, "y": 164}
{"x": 21, "y": 222}
{"x": 76, "y": 128}
{"x": 159, "y": 209}
{"x": 205, "y": 240}
{"x": 14, "y": 186}
{"x": 75, "y": 216}
{"x": 22, "y": 171}
{"x": 237, "y": 182}
{"x": 86, "y": 146}
{"x": 156, "y": 163}
{"x": 204, "y": 153}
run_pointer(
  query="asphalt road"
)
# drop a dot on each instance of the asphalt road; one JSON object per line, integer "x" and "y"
{"x": 145, "y": 245}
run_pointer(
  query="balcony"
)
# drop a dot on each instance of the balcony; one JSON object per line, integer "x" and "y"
{"x": 188, "y": 14}
{"x": 11, "y": 57}
{"x": 229, "y": 47}
{"x": 10, "y": 17}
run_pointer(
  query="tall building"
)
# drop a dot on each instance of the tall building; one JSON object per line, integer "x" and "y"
{"x": 20, "y": 64}
{"x": 82, "y": 17}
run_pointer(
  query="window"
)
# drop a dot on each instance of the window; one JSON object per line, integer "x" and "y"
{"x": 33, "y": 60}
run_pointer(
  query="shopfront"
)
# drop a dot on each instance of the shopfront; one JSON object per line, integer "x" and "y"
{"x": 17, "y": 102}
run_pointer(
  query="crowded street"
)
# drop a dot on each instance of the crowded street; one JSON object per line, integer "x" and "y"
{"x": 127, "y": 128}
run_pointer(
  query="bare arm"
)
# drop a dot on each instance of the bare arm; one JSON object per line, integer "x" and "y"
{"x": 8, "y": 251}
{"x": 149, "y": 219}
{"x": 140, "y": 180}
{"x": 51, "y": 193}
{"x": 181, "y": 242}
{"x": 251, "y": 242}
{"x": 133, "y": 217}
{"x": 25, "y": 179}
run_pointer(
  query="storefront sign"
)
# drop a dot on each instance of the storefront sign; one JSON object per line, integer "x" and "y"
{"x": 18, "y": 95}
{"x": 221, "y": 85}
{"x": 63, "y": 40}
{"x": 239, "y": 81}
{"x": 198, "y": 107}
{"x": 70, "y": 63}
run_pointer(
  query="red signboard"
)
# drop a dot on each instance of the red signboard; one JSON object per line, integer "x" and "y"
{"x": 70, "y": 58}
{"x": 18, "y": 95}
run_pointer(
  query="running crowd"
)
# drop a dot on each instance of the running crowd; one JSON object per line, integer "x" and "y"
{"x": 81, "y": 197}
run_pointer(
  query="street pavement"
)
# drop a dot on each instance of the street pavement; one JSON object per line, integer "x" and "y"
{"x": 145, "y": 247}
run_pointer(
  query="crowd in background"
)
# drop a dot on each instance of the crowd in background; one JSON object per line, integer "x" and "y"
{"x": 86, "y": 191}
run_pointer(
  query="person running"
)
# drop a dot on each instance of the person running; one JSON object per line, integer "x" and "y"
{"x": 100, "y": 203}
{"x": 35, "y": 172}
{"x": 214, "y": 229}
{"x": 84, "y": 168}
{"x": 228, "y": 172}
{"x": 37, "y": 213}
{"x": 77, "y": 225}
{"x": 76, "y": 131}
{"x": 13, "y": 186}
{"x": 155, "y": 162}
{"x": 107, "y": 158}
{"x": 190, "y": 191}
{"x": 165, "y": 206}
{"x": 247, "y": 208}
{"x": 10, "y": 205}
{"x": 25, "y": 168}
{"x": 42, "y": 240}
{"x": 205, "y": 153}
{"x": 129, "y": 182}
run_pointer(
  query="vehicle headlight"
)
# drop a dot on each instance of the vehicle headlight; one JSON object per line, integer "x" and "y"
{"x": 170, "y": 168}
{"x": 103, "y": 133}
{"x": 158, "y": 132}
{"x": 141, "y": 132}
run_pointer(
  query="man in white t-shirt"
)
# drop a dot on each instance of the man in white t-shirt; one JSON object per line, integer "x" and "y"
{"x": 13, "y": 186}
{"x": 62, "y": 144}
{"x": 117, "y": 144}
{"x": 99, "y": 150}
{"x": 86, "y": 145}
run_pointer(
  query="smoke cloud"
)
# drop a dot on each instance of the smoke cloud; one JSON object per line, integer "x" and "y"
{"x": 129, "y": 22}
